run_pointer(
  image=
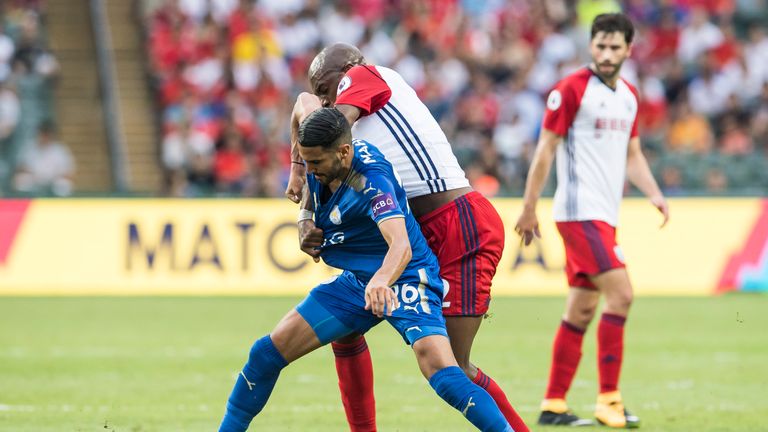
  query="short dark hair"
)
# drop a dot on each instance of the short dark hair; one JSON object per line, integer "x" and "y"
{"x": 613, "y": 22}
{"x": 325, "y": 127}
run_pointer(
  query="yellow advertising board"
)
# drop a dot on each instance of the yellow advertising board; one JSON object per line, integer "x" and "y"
{"x": 208, "y": 247}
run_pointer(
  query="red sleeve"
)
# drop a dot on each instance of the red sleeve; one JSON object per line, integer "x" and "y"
{"x": 364, "y": 88}
{"x": 637, "y": 113}
{"x": 563, "y": 102}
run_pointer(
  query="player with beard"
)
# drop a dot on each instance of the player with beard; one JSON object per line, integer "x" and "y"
{"x": 591, "y": 124}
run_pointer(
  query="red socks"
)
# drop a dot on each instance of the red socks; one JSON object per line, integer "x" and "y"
{"x": 355, "y": 370}
{"x": 500, "y": 398}
{"x": 610, "y": 345}
{"x": 566, "y": 354}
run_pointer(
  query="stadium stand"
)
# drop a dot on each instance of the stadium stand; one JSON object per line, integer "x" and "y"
{"x": 28, "y": 71}
{"x": 482, "y": 67}
{"x": 224, "y": 75}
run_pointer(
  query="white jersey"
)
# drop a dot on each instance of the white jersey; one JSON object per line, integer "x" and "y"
{"x": 393, "y": 118}
{"x": 596, "y": 123}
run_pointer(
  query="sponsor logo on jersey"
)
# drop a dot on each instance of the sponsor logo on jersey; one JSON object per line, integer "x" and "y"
{"x": 382, "y": 204}
{"x": 343, "y": 85}
{"x": 554, "y": 100}
{"x": 335, "y": 215}
{"x": 334, "y": 239}
{"x": 615, "y": 124}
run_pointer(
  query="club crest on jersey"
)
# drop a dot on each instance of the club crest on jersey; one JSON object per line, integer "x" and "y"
{"x": 554, "y": 100}
{"x": 335, "y": 215}
{"x": 343, "y": 85}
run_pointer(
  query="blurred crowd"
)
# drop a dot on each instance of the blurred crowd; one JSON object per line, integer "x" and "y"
{"x": 227, "y": 72}
{"x": 32, "y": 160}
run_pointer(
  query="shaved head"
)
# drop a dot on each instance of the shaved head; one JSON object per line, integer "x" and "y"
{"x": 329, "y": 67}
{"x": 338, "y": 57}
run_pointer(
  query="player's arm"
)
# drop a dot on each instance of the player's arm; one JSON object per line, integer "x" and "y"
{"x": 305, "y": 104}
{"x": 639, "y": 174}
{"x": 361, "y": 92}
{"x": 351, "y": 112}
{"x": 528, "y": 224}
{"x": 379, "y": 295}
{"x": 310, "y": 237}
{"x": 386, "y": 212}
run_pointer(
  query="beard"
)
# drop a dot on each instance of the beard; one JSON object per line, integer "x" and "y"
{"x": 336, "y": 171}
{"x": 607, "y": 70}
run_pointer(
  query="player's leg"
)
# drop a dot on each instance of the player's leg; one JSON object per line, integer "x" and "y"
{"x": 617, "y": 290}
{"x": 292, "y": 338}
{"x": 355, "y": 371}
{"x": 344, "y": 296}
{"x": 438, "y": 365}
{"x": 462, "y": 331}
{"x": 467, "y": 236}
{"x": 581, "y": 303}
{"x": 580, "y": 307}
{"x": 330, "y": 311}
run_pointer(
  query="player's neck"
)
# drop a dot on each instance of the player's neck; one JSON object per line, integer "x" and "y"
{"x": 332, "y": 186}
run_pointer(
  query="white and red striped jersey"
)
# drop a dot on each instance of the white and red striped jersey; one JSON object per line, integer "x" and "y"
{"x": 596, "y": 123}
{"x": 393, "y": 118}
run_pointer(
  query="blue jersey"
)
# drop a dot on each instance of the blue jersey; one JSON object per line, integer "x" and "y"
{"x": 349, "y": 218}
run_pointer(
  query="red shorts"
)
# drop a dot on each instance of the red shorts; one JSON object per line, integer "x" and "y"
{"x": 590, "y": 249}
{"x": 467, "y": 235}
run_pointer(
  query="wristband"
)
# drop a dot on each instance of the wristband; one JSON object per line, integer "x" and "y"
{"x": 305, "y": 214}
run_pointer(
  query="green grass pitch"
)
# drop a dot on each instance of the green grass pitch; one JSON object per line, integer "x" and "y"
{"x": 168, "y": 364}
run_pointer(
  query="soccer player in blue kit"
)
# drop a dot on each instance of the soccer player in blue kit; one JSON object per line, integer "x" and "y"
{"x": 389, "y": 273}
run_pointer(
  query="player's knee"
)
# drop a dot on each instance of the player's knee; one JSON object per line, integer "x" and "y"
{"x": 349, "y": 339}
{"x": 620, "y": 302}
{"x": 469, "y": 369}
{"x": 581, "y": 316}
{"x": 264, "y": 358}
{"x": 432, "y": 356}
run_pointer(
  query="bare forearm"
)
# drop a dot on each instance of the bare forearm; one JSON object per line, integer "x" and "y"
{"x": 396, "y": 260}
{"x": 539, "y": 172}
{"x": 306, "y": 202}
{"x": 640, "y": 175}
{"x": 305, "y": 104}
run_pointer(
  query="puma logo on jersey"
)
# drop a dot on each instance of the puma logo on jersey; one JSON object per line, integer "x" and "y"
{"x": 413, "y": 308}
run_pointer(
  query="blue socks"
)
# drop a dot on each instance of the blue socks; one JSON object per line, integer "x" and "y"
{"x": 253, "y": 386}
{"x": 471, "y": 400}
{"x": 258, "y": 378}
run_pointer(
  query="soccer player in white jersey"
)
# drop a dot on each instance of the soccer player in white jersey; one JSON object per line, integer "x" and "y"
{"x": 461, "y": 226}
{"x": 591, "y": 124}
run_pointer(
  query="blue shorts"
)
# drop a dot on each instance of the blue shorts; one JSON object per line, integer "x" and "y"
{"x": 336, "y": 308}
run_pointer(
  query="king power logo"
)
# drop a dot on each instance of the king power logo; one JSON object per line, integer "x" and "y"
{"x": 11, "y": 215}
{"x": 747, "y": 270}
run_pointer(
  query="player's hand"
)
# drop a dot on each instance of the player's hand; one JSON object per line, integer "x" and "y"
{"x": 310, "y": 239}
{"x": 660, "y": 203}
{"x": 296, "y": 182}
{"x": 380, "y": 298}
{"x": 528, "y": 226}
